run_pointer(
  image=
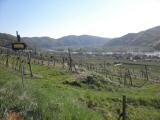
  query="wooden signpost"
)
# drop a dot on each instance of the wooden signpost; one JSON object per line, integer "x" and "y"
{"x": 20, "y": 47}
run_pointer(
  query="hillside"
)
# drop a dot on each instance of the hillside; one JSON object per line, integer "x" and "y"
{"x": 39, "y": 42}
{"x": 148, "y": 38}
{"x": 54, "y": 93}
{"x": 83, "y": 40}
{"x": 6, "y": 39}
{"x": 67, "y": 41}
{"x": 50, "y": 43}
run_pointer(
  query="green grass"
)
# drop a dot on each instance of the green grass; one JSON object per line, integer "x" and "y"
{"x": 46, "y": 97}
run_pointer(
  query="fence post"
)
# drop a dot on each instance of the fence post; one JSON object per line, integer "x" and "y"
{"x": 70, "y": 60}
{"x": 7, "y": 58}
{"x": 29, "y": 62}
{"x": 146, "y": 73}
{"x": 124, "y": 108}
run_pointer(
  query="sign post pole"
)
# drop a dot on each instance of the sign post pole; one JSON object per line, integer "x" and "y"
{"x": 22, "y": 67}
{"x": 20, "y": 47}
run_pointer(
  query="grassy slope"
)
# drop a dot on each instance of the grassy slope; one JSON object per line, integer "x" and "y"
{"x": 46, "y": 96}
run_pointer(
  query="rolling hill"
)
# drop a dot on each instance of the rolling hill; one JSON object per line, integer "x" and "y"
{"x": 147, "y": 38}
{"x": 6, "y": 39}
{"x": 66, "y": 41}
{"x": 39, "y": 42}
{"x": 50, "y": 43}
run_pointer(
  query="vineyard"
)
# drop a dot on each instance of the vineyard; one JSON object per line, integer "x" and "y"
{"x": 47, "y": 86}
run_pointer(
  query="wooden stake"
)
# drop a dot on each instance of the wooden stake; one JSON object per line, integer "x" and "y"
{"x": 146, "y": 73}
{"x": 30, "y": 66}
{"x": 124, "y": 108}
{"x": 7, "y": 58}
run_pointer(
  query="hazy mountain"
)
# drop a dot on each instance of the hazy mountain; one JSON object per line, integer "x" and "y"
{"x": 39, "y": 42}
{"x": 148, "y": 38}
{"x": 49, "y": 43}
{"x": 6, "y": 39}
{"x": 83, "y": 40}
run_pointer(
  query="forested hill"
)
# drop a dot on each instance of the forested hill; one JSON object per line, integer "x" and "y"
{"x": 67, "y": 41}
{"x": 49, "y": 43}
{"x": 6, "y": 39}
{"x": 147, "y": 38}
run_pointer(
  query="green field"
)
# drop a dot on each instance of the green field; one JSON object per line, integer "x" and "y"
{"x": 56, "y": 94}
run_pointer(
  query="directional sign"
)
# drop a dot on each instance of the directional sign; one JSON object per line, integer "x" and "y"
{"x": 18, "y": 46}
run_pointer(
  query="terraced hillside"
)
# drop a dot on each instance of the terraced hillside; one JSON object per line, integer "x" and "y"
{"x": 55, "y": 93}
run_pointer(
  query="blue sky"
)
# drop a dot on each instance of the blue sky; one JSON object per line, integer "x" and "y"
{"x": 57, "y": 18}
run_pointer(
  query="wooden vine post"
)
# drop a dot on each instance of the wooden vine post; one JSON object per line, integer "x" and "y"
{"x": 146, "y": 73}
{"x": 130, "y": 77}
{"x": 123, "y": 114}
{"x": 63, "y": 62}
{"x": 124, "y": 108}
{"x": 7, "y": 58}
{"x": 29, "y": 63}
{"x": 69, "y": 60}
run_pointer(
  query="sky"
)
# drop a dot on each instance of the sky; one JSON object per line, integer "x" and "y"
{"x": 57, "y": 18}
